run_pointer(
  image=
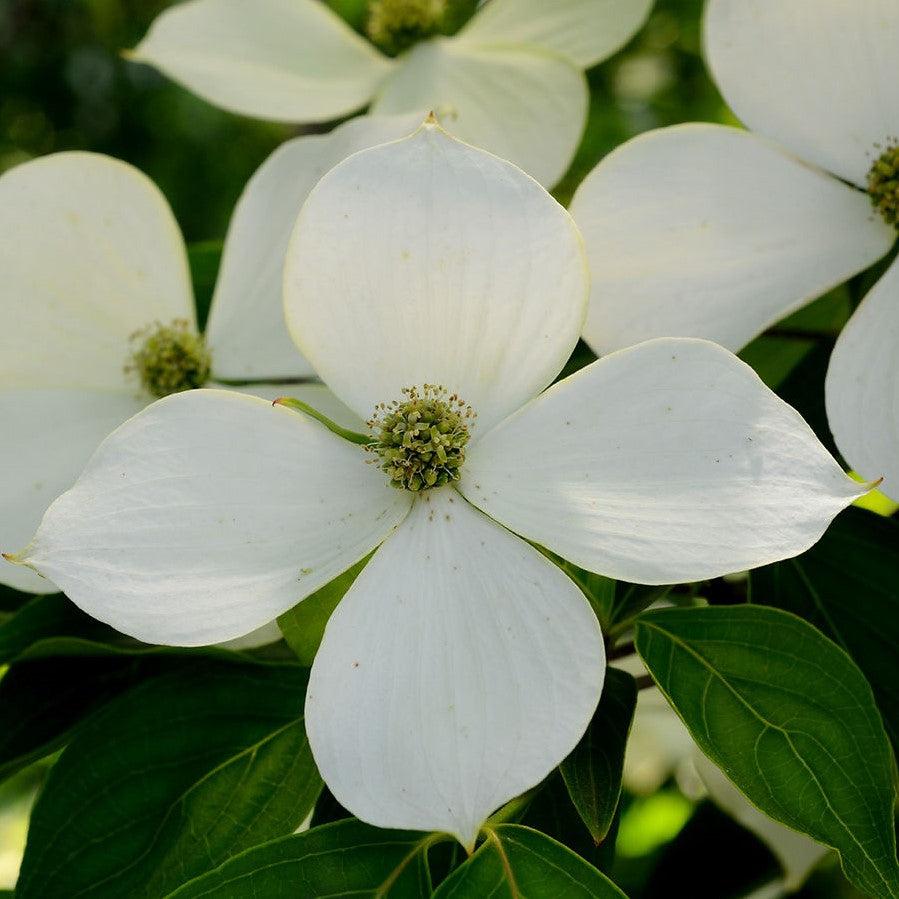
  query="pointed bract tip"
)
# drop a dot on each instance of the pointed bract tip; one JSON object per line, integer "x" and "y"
{"x": 14, "y": 558}
{"x": 280, "y": 401}
{"x": 431, "y": 119}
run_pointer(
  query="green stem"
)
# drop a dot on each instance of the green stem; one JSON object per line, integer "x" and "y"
{"x": 300, "y": 406}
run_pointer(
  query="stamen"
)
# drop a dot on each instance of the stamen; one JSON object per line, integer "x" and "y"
{"x": 395, "y": 25}
{"x": 883, "y": 184}
{"x": 420, "y": 440}
{"x": 169, "y": 358}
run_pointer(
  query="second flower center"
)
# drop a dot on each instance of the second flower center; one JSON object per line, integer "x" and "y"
{"x": 883, "y": 184}
{"x": 169, "y": 358}
{"x": 420, "y": 440}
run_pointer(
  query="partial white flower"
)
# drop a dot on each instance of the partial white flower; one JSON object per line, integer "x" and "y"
{"x": 511, "y": 80}
{"x": 462, "y": 665}
{"x": 91, "y": 254}
{"x": 706, "y": 231}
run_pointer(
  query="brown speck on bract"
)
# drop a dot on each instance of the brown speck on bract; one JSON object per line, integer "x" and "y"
{"x": 355, "y": 664}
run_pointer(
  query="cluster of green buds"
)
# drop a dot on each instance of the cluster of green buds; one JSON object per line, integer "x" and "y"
{"x": 883, "y": 184}
{"x": 420, "y": 440}
{"x": 169, "y": 358}
{"x": 395, "y": 25}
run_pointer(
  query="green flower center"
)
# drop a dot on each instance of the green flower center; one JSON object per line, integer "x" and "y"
{"x": 420, "y": 440}
{"x": 883, "y": 184}
{"x": 396, "y": 25}
{"x": 169, "y": 358}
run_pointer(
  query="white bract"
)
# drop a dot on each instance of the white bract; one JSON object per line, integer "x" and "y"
{"x": 511, "y": 80}
{"x": 90, "y": 254}
{"x": 462, "y": 665}
{"x": 707, "y": 231}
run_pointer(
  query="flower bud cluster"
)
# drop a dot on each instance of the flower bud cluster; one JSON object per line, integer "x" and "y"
{"x": 421, "y": 439}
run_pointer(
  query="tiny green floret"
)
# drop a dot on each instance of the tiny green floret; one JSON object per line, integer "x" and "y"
{"x": 420, "y": 440}
{"x": 883, "y": 184}
{"x": 395, "y": 25}
{"x": 169, "y": 358}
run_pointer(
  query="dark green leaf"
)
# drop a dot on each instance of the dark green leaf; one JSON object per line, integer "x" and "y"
{"x": 515, "y": 862}
{"x": 340, "y": 859}
{"x": 172, "y": 779}
{"x": 44, "y": 616}
{"x": 614, "y": 602}
{"x": 790, "y": 719}
{"x": 848, "y": 586}
{"x": 593, "y": 771}
{"x": 552, "y": 812}
{"x": 43, "y": 702}
{"x": 304, "y": 625}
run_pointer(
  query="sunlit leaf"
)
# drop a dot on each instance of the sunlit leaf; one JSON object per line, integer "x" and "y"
{"x": 787, "y": 715}
{"x": 847, "y": 585}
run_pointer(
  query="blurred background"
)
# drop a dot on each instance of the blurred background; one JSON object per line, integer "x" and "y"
{"x": 64, "y": 86}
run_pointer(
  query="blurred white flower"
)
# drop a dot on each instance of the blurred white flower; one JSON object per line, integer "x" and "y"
{"x": 462, "y": 666}
{"x": 91, "y": 255}
{"x": 510, "y": 81}
{"x": 707, "y": 231}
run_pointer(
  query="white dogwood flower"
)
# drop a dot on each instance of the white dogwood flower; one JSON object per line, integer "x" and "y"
{"x": 511, "y": 80}
{"x": 707, "y": 231}
{"x": 98, "y": 311}
{"x": 462, "y": 666}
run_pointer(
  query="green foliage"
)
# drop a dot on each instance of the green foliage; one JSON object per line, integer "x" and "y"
{"x": 515, "y": 861}
{"x": 172, "y": 779}
{"x": 846, "y": 585}
{"x": 614, "y": 602}
{"x": 204, "y": 259}
{"x": 43, "y": 702}
{"x": 341, "y": 859}
{"x": 593, "y": 771}
{"x": 790, "y": 719}
{"x": 40, "y": 618}
{"x": 304, "y": 625}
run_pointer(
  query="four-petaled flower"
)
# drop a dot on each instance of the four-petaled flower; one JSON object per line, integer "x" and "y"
{"x": 708, "y": 231}
{"x": 511, "y": 80}
{"x": 463, "y": 665}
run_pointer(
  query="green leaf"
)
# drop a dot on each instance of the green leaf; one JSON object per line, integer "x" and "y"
{"x": 43, "y": 702}
{"x": 515, "y": 861}
{"x": 614, "y": 602}
{"x": 340, "y": 859}
{"x": 593, "y": 771}
{"x": 304, "y": 625}
{"x": 552, "y": 812}
{"x": 790, "y": 719}
{"x": 42, "y": 617}
{"x": 846, "y": 585}
{"x": 172, "y": 779}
